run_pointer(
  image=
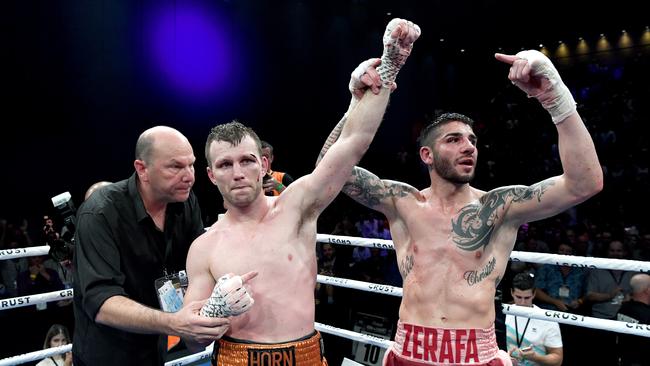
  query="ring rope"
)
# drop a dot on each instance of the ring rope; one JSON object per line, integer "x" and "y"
{"x": 359, "y": 337}
{"x": 36, "y": 355}
{"x": 532, "y": 257}
{"x": 557, "y": 316}
{"x": 20, "y": 301}
{"x": 639, "y": 329}
{"x": 24, "y": 252}
{"x": 360, "y": 285}
{"x": 201, "y": 355}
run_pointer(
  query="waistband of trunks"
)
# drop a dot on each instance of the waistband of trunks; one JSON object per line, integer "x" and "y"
{"x": 306, "y": 351}
{"x": 436, "y": 346}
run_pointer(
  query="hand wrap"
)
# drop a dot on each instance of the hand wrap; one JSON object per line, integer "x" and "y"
{"x": 554, "y": 96}
{"x": 229, "y": 297}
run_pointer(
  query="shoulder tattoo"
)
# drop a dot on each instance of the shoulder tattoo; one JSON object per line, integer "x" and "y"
{"x": 472, "y": 227}
{"x": 369, "y": 190}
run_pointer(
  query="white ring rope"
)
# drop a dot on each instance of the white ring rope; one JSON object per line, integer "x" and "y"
{"x": 364, "y": 338}
{"x": 20, "y": 301}
{"x": 639, "y": 329}
{"x": 360, "y": 285}
{"x": 532, "y": 257}
{"x": 202, "y": 355}
{"x": 355, "y": 241}
{"x": 36, "y": 355}
{"x": 24, "y": 252}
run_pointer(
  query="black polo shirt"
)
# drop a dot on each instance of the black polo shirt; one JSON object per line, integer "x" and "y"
{"x": 634, "y": 348}
{"x": 119, "y": 251}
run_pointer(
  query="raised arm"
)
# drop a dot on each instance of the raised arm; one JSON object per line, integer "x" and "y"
{"x": 582, "y": 178}
{"x": 361, "y": 185}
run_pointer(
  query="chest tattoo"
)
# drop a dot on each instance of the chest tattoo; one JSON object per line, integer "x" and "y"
{"x": 473, "y": 226}
{"x": 474, "y": 277}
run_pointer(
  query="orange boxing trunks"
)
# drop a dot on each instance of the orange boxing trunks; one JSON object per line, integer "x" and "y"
{"x": 307, "y": 351}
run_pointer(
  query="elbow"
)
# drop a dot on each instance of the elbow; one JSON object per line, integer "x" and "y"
{"x": 596, "y": 185}
{"x": 588, "y": 187}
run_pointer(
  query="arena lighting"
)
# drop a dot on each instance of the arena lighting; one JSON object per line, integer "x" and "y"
{"x": 625, "y": 41}
{"x": 190, "y": 48}
{"x": 603, "y": 44}
{"x": 582, "y": 47}
{"x": 562, "y": 50}
{"x": 645, "y": 37}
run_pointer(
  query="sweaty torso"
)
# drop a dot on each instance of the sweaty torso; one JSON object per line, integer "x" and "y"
{"x": 451, "y": 260}
{"x": 281, "y": 248}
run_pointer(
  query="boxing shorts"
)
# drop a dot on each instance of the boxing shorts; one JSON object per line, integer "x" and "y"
{"x": 417, "y": 345}
{"x": 306, "y": 351}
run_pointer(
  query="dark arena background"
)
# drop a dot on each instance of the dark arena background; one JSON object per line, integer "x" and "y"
{"x": 82, "y": 79}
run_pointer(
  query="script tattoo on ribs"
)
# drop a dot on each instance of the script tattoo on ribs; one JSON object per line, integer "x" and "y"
{"x": 474, "y": 277}
{"x": 472, "y": 227}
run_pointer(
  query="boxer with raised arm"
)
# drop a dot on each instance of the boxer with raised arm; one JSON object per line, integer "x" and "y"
{"x": 453, "y": 241}
{"x": 276, "y": 236}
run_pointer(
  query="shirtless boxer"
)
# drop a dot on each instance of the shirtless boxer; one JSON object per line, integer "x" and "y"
{"x": 453, "y": 241}
{"x": 276, "y": 236}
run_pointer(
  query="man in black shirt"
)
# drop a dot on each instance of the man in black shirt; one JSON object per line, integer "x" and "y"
{"x": 129, "y": 234}
{"x": 633, "y": 348}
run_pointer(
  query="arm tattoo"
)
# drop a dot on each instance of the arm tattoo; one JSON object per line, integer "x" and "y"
{"x": 367, "y": 189}
{"x": 474, "y": 277}
{"x": 331, "y": 139}
{"x": 406, "y": 265}
{"x": 472, "y": 228}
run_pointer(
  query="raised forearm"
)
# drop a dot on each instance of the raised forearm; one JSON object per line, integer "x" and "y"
{"x": 363, "y": 121}
{"x": 125, "y": 314}
{"x": 582, "y": 170}
{"x": 331, "y": 139}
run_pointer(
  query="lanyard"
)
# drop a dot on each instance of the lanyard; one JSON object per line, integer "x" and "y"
{"x": 520, "y": 341}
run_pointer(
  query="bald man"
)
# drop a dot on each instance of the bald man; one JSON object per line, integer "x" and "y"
{"x": 95, "y": 187}
{"x": 129, "y": 234}
{"x": 633, "y": 349}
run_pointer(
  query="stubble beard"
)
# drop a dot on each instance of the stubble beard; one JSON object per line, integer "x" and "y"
{"x": 445, "y": 170}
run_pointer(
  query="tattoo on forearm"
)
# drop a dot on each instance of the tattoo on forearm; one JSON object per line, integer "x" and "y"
{"x": 474, "y": 277}
{"x": 331, "y": 139}
{"x": 406, "y": 265}
{"x": 367, "y": 189}
{"x": 472, "y": 227}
